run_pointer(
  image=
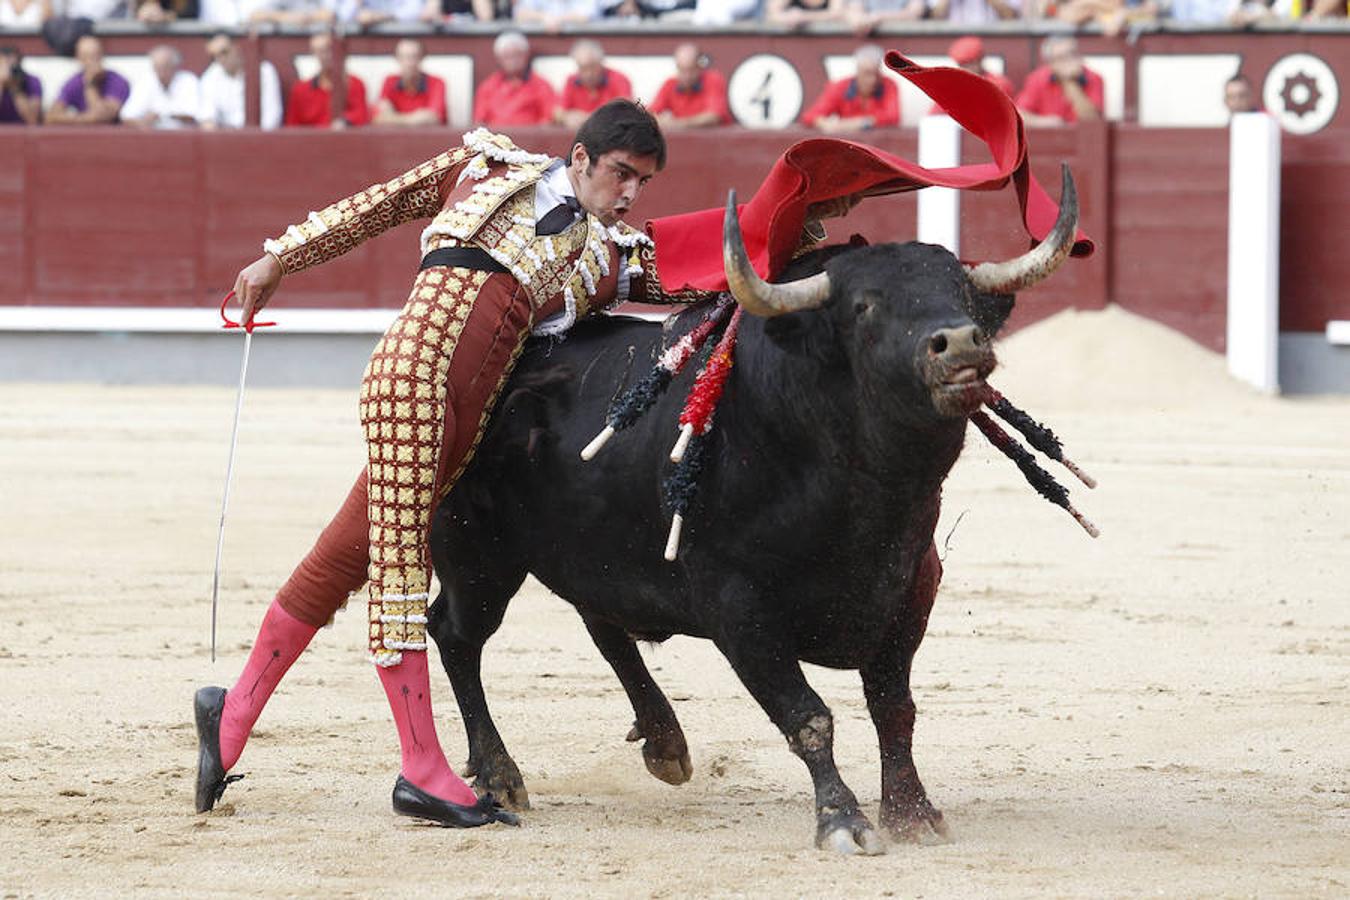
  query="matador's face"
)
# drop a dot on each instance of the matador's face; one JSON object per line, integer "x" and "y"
{"x": 609, "y": 185}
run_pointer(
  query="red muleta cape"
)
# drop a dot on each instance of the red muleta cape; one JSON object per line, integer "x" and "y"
{"x": 689, "y": 246}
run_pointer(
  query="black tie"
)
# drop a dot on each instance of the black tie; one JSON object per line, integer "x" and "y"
{"x": 559, "y": 217}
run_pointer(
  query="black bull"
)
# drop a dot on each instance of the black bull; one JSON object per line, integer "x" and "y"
{"x": 811, "y": 539}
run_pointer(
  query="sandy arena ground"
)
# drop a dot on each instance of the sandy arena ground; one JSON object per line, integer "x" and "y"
{"x": 1162, "y": 711}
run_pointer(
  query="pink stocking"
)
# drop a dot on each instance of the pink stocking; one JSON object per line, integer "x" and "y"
{"x": 408, "y": 688}
{"x": 281, "y": 640}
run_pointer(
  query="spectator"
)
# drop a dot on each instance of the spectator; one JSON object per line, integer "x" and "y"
{"x": 867, "y": 100}
{"x": 1200, "y": 12}
{"x": 1254, "y": 12}
{"x": 1129, "y": 14}
{"x": 412, "y": 97}
{"x": 696, "y": 97}
{"x": 92, "y": 96}
{"x": 1111, "y": 16}
{"x": 866, "y": 15}
{"x": 226, "y": 13}
{"x": 974, "y": 12}
{"x": 716, "y": 13}
{"x": 1238, "y": 95}
{"x": 292, "y": 12}
{"x": 1063, "y": 89}
{"x": 166, "y": 97}
{"x": 1327, "y": 9}
{"x": 311, "y": 102}
{"x": 801, "y": 13}
{"x": 95, "y": 10}
{"x": 648, "y": 9}
{"x": 513, "y": 95}
{"x": 968, "y": 54}
{"x": 24, "y": 14}
{"x": 161, "y": 12}
{"x": 368, "y": 13}
{"x": 20, "y": 93}
{"x": 554, "y": 15}
{"x": 593, "y": 85}
{"x": 222, "y": 88}
{"x": 470, "y": 10}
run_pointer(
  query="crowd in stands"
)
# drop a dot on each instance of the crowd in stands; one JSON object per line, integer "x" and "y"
{"x": 167, "y": 96}
{"x": 862, "y": 16}
{"x": 1062, "y": 90}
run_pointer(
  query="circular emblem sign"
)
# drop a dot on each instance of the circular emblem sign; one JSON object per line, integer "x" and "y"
{"x": 1301, "y": 92}
{"x": 765, "y": 91}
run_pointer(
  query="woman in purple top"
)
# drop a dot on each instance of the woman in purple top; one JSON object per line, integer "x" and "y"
{"x": 20, "y": 93}
{"x": 95, "y": 95}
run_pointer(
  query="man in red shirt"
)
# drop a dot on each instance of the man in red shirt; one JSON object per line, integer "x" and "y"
{"x": 513, "y": 95}
{"x": 696, "y": 97}
{"x": 1063, "y": 90}
{"x": 867, "y": 100}
{"x": 412, "y": 97}
{"x": 591, "y": 87}
{"x": 311, "y": 102}
{"x": 968, "y": 54}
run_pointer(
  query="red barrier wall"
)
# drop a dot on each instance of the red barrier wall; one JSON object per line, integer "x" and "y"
{"x": 124, "y": 218}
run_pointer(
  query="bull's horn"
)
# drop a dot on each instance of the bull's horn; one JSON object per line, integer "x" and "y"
{"x": 1036, "y": 264}
{"x": 754, "y": 293}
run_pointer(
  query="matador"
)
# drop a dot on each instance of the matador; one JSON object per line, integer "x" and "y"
{"x": 519, "y": 244}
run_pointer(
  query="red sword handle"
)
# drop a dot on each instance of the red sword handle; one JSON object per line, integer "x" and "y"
{"x": 230, "y": 323}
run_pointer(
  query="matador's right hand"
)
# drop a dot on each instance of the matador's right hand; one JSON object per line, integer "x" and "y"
{"x": 255, "y": 285}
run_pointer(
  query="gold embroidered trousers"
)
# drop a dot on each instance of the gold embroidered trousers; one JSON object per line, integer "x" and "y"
{"x": 425, "y": 399}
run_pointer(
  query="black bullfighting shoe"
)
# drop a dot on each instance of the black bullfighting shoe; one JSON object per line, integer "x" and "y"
{"x": 411, "y": 800}
{"x": 211, "y": 778}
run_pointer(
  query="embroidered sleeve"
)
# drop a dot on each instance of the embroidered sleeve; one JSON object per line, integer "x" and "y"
{"x": 646, "y": 286}
{"x": 331, "y": 232}
{"x": 639, "y": 281}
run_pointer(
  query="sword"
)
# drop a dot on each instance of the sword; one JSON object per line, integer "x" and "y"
{"x": 247, "y": 328}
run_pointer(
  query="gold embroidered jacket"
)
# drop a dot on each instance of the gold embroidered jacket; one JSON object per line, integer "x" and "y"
{"x": 482, "y": 194}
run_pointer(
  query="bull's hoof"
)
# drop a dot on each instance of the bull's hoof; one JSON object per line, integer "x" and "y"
{"x": 667, "y": 756}
{"x": 499, "y": 776}
{"x": 849, "y": 834}
{"x": 919, "y": 824}
{"x": 671, "y": 771}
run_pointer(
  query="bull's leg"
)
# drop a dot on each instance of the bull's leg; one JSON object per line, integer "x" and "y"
{"x": 906, "y": 811}
{"x": 770, "y": 670}
{"x": 663, "y": 746}
{"x": 461, "y": 620}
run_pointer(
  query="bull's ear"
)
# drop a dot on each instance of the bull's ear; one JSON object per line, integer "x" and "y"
{"x": 806, "y": 333}
{"x": 989, "y": 311}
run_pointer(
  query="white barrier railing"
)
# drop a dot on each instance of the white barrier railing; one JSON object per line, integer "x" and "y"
{"x": 186, "y": 320}
{"x": 1254, "y": 250}
{"x": 939, "y": 217}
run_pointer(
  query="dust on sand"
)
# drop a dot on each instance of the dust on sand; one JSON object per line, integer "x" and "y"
{"x": 1162, "y": 711}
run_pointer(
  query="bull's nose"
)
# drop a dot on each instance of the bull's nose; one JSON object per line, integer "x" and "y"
{"x": 953, "y": 343}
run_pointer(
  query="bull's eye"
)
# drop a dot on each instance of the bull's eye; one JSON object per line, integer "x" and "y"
{"x": 861, "y": 308}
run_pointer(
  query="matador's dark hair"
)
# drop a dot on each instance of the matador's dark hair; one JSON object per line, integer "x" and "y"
{"x": 622, "y": 125}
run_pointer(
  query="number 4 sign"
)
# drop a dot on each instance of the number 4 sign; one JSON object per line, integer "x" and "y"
{"x": 765, "y": 91}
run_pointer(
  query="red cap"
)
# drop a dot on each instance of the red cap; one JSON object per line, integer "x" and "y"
{"x": 966, "y": 50}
